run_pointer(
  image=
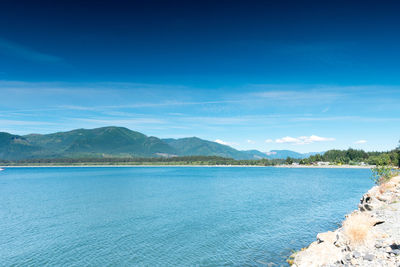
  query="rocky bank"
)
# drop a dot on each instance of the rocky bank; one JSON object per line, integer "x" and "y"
{"x": 370, "y": 236}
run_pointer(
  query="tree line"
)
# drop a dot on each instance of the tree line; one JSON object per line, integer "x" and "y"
{"x": 356, "y": 156}
{"x": 184, "y": 160}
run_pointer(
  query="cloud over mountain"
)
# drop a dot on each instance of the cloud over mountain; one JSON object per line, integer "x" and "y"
{"x": 303, "y": 139}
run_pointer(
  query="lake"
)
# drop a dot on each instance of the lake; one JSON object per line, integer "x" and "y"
{"x": 169, "y": 216}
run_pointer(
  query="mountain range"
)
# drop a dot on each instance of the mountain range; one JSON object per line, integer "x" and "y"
{"x": 120, "y": 142}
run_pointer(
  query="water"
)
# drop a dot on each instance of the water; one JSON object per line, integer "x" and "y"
{"x": 169, "y": 216}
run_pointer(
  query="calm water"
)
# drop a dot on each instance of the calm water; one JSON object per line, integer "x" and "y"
{"x": 169, "y": 216}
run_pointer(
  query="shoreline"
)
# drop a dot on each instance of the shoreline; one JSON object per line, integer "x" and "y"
{"x": 327, "y": 166}
{"x": 369, "y": 236}
{"x": 222, "y": 166}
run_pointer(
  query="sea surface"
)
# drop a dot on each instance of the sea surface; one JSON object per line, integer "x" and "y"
{"x": 169, "y": 216}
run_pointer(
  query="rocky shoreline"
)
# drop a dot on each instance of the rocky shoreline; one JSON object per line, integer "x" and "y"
{"x": 369, "y": 236}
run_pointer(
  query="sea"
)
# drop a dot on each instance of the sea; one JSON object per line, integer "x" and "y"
{"x": 169, "y": 216}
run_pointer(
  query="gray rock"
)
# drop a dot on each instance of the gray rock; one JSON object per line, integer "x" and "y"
{"x": 369, "y": 257}
{"x": 348, "y": 257}
{"x": 356, "y": 254}
{"x": 396, "y": 252}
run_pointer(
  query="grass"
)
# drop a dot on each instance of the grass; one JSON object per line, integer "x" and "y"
{"x": 357, "y": 227}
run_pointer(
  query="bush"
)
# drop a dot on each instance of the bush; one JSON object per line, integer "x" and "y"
{"x": 382, "y": 173}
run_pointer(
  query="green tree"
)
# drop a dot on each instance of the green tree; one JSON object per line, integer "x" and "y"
{"x": 398, "y": 155}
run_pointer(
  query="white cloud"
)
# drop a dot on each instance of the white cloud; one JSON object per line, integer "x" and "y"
{"x": 269, "y": 141}
{"x": 361, "y": 142}
{"x": 303, "y": 139}
{"x": 250, "y": 141}
{"x": 219, "y": 141}
{"x": 271, "y": 153}
{"x": 287, "y": 139}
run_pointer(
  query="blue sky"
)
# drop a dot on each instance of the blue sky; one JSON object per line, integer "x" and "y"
{"x": 299, "y": 75}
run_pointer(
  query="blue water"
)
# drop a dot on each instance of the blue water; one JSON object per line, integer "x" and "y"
{"x": 169, "y": 216}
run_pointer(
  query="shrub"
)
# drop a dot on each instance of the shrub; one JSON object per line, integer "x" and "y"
{"x": 357, "y": 227}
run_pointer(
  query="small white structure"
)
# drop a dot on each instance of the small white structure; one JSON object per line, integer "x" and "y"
{"x": 323, "y": 163}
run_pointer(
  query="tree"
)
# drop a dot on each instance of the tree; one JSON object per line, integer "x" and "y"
{"x": 398, "y": 155}
{"x": 289, "y": 160}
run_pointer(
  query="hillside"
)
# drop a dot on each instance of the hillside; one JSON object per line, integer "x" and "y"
{"x": 195, "y": 146}
{"x": 120, "y": 142}
{"x": 109, "y": 141}
{"x": 16, "y": 147}
{"x": 283, "y": 154}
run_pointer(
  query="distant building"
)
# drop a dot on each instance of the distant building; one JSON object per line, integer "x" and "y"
{"x": 323, "y": 163}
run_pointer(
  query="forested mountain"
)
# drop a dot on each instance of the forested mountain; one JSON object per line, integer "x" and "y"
{"x": 119, "y": 142}
{"x": 16, "y": 147}
{"x": 105, "y": 141}
{"x": 195, "y": 146}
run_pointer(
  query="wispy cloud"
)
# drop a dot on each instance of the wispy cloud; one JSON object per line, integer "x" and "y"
{"x": 269, "y": 141}
{"x": 23, "y": 122}
{"x": 361, "y": 142}
{"x": 295, "y": 96}
{"x": 11, "y": 48}
{"x": 127, "y": 121}
{"x": 303, "y": 139}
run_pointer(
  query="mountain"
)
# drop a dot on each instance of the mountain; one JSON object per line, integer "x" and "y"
{"x": 283, "y": 154}
{"x": 120, "y": 142}
{"x": 193, "y": 146}
{"x": 16, "y": 147}
{"x": 255, "y": 154}
{"x": 105, "y": 141}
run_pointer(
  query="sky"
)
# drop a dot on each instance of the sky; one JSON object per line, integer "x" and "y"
{"x": 301, "y": 75}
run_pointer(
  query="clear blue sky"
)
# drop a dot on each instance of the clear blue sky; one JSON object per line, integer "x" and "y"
{"x": 299, "y": 75}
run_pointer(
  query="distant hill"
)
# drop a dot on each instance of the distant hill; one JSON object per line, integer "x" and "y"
{"x": 193, "y": 146}
{"x": 283, "y": 154}
{"x": 255, "y": 154}
{"x": 120, "y": 142}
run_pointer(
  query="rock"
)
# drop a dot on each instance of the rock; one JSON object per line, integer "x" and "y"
{"x": 369, "y": 257}
{"x": 369, "y": 200}
{"x": 348, "y": 257}
{"x": 318, "y": 254}
{"x": 356, "y": 254}
{"x": 329, "y": 237}
{"x": 379, "y": 247}
{"x": 341, "y": 241}
{"x": 396, "y": 252}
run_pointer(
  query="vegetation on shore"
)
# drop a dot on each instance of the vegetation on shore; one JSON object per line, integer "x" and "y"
{"x": 354, "y": 157}
{"x": 188, "y": 160}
